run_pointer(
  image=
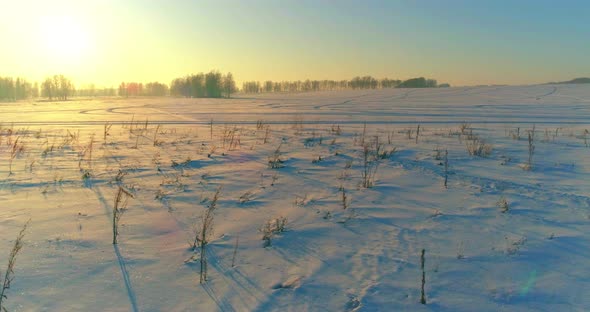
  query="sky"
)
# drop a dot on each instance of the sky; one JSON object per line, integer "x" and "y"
{"x": 462, "y": 42}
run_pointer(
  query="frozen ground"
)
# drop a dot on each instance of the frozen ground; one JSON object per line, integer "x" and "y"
{"x": 533, "y": 257}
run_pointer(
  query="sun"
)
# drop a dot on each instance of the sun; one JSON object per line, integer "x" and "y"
{"x": 64, "y": 39}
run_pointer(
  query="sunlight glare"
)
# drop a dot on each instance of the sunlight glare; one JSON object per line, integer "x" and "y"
{"x": 64, "y": 38}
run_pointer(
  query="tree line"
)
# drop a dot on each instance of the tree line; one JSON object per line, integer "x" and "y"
{"x": 138, "y": 89}
{"x": 12, "y": 89}
{"x": 55, "y": 87}
{"x": 365, "y": 82}
{"x": 212, "y": 85}
{"x": 91, "y": 90}
{"x": 60, "y": 87}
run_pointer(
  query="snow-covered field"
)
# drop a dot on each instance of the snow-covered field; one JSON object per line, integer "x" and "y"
{"x": 529, "y": 253}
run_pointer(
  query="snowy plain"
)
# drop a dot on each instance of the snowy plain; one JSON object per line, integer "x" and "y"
{"x": 530, "y": 254}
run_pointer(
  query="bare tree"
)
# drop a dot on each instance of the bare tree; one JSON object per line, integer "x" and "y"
{"x": 229, "y": 85}
{"x": 57, "y": 86}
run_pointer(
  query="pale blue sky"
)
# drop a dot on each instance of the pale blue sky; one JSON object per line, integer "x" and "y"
{"x": 461, "y": 42}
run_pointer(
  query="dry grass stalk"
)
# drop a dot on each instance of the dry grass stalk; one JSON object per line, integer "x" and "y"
{"x": 446, "y": 167}
{"x": 107, "y": 128}
{"x": 344, "y": 198}
{"x": 118, "y": 210}
{"x": 233, "y": 259}
{"x": 155, "y": 141}
{"x": 266, "y": 134}
{"x": 478, "y": 147}
{"x": 15, "y": 149}
{"x": 203, "y": 233}
{"x": 272, "y": 227}
{"x": 369, "y": 168}
{"x": 9, "y": 274}
{"x": 274, "y": 160}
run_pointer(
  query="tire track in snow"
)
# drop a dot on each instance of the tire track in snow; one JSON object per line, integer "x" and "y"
{"x": 483, "y": 181}
{"x": 547, "y": 94}
{"x": 340, "y": 103}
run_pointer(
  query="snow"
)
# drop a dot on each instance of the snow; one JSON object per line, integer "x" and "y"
{"x": 534, "y": 257}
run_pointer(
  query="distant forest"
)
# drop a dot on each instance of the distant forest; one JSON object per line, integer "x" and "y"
{"x": 365, "y": 82}
{"x": 211, "y": 85}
